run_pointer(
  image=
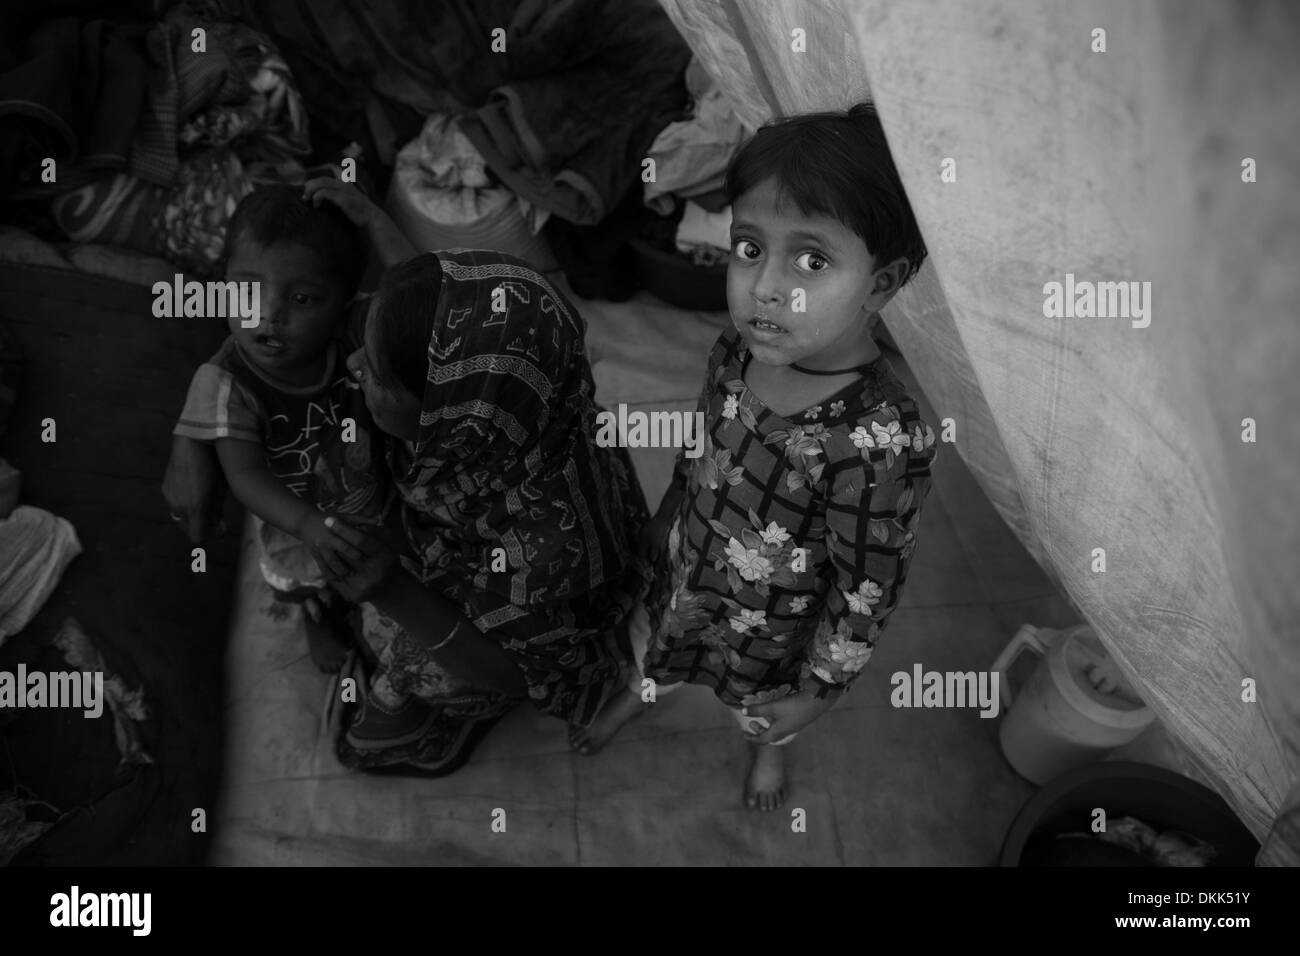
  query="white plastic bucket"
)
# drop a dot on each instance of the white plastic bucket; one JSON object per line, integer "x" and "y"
{"x": 1074, "y": 709}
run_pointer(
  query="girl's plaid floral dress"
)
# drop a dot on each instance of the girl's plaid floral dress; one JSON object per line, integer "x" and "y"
{"x": 793, "y": 539}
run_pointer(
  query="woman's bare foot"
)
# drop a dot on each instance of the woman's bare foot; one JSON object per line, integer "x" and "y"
{"x": 765, "y": 782}
{"x": 616, "y": 712}
{"x": 327, "y": 651}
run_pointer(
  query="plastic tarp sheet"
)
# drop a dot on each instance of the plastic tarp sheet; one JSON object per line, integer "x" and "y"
{"x": 1117, "y": 166}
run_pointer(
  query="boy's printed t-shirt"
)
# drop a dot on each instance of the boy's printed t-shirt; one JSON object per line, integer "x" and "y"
{"x": 300, "y": 429}
{"x": 736, "y": 607}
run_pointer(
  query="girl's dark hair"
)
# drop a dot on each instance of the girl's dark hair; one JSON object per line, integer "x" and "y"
{"x": 406, "y": 303}
{"x": 278, "y": 213}
{"x": 836, "y": 165}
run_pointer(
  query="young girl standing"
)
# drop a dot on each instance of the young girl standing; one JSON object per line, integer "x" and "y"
{"x": 788, "y": 540}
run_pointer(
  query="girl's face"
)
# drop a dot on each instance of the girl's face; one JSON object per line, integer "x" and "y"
{"x": 394, "y": 409}
{"x": 801, "y": 288}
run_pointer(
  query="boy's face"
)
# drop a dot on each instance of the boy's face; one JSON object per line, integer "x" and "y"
{"x": 302, "y": 306}
{"x": 775, "y": 252}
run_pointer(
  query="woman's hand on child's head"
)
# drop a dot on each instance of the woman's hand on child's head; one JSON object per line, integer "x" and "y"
{"x": 346, "y": 196}
{"x": 788, "y": 715}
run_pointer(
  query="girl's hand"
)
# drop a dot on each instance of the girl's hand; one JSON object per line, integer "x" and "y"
{"x": 344, "y": 195}
{"x": 360, "y": 564}
{"x": 655, "y": 534}
{"x": 788, "y": 715}
{"x": 654, "y": 537}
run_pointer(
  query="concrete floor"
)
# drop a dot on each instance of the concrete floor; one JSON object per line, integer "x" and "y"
{"x": 879, "y": 785}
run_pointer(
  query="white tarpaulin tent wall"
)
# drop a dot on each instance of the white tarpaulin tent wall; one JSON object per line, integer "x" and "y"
{"x": 1127, "y": 164}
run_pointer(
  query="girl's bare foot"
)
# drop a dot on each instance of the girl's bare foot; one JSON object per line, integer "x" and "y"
{"x": 626, "y": 706}
{"x": 765, "y": 782}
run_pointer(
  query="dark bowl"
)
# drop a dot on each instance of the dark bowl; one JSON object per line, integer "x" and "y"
{"x": 677, "y": 281}
{"x": 1159, "y": 798}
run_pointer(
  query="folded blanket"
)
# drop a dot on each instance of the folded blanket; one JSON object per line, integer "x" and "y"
{"x": 214, "y": 125}
{"x": 35, "y": 548}
{"x": 238, "y": 92}
{"x": 185, "y": 223}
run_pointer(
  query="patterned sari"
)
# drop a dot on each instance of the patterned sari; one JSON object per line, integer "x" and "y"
{"x": 513, "y": 513}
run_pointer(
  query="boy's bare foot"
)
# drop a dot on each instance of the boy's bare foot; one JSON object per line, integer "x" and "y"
{"x": 327, "y": 651}
{"x": 616, "y": 712}
{"x": 765, "y": 782}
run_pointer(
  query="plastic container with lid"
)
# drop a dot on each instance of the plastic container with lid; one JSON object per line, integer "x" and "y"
{"x": 1075, "y": 708}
